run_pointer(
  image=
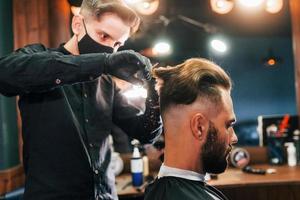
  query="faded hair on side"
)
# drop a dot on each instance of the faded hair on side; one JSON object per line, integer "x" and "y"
{"x": 183, "y": 83}
{"x": 96, "y": 8}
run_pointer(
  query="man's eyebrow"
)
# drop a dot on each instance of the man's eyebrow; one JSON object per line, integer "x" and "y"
{"x": 103, "y": 32}
{"x": 109, "y": 35}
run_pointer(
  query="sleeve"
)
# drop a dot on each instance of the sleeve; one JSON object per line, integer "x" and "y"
{"x": 144, "y": 125}
{"x": 35, "y": 69}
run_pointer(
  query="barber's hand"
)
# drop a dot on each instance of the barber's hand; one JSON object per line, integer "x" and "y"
{"x": 125, "y": 64}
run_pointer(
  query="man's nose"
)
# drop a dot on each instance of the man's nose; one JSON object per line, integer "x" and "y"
{"x": 109, "y": 43}
{"x": 234, "y": 138}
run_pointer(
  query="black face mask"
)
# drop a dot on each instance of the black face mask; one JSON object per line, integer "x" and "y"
{"x": 88, "y": 45}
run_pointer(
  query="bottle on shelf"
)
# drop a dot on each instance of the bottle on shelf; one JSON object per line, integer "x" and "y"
{"x": 136, "y": 166}
{"x": 291, "y": 154}
{"x": 296, "y": 139}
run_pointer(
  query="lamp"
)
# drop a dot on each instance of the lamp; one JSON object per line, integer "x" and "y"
{"x": 274, "y": 6}
{"x": 218, "y": 45}
{"x": 144, "y": 7}
{"x": 251, "y": 3}
{"x": 132, "y": 2}
{"x": 147, "y": 7}
{"x": 221, "y": 6}
{"x": 271, "y": 60}
{"x": 225, "y": 6}
{"x": 162, "y": 48}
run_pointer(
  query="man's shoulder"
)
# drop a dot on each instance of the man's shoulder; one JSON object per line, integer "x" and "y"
{"x": 34, "y": 47}
{"x": 173, "y": 188}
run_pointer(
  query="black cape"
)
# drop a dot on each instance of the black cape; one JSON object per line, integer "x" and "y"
{"x": 174, "y": 188}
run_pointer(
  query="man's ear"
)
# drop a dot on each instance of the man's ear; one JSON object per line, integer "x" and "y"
{"x": 198, "y": 125}
{"x": 77, "y": 24}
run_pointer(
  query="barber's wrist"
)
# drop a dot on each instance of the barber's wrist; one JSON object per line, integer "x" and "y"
{"x": 153, "y": 96}
{"x": 106, "y": 65}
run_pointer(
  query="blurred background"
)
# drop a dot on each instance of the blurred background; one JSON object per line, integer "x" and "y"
{"x": 252, "y": 42}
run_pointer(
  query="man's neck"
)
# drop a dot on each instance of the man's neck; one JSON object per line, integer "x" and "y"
{"x": 166, "y": 171}
{"x": 177, "y": 158}
{"x": 72, "y": 46}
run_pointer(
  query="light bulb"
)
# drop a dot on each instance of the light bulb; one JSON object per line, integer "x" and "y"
{"x": 162, "y": 48}
{"x": 221, "y": 6}
{"x": 251, "y": 3}
{"x": 218, "y": 45}
{"x": 131, "y": 2}
{"x": 147, "y": 7}
{"x": 274, "y": 6}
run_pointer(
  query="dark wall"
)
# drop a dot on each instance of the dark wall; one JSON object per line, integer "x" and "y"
{"x": 258, "y": 89}
{"x": 9, "y": 155}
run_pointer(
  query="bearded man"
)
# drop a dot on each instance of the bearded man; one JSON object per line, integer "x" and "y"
{"x": 198, "y": 118}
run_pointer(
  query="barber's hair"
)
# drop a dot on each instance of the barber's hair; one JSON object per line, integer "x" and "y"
{"x": 96, "y": 8}
{"x": 196, "y": 77}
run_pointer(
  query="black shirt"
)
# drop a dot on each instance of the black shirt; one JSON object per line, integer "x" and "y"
{"x": 67, "y": 107}
{"x": 175, "y": 188}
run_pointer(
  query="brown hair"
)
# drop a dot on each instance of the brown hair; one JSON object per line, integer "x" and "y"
{"x": 183, "y": 83}
{"x": 96, "y": 8}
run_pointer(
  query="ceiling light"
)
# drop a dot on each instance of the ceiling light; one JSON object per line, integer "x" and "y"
{"x": 274, "y": 6}
{"x": 131, "y": 2}
{"x": 162, "y": 48}
{"x": 147, "y": 7}
{"x": 271, "y": 60}
{"x": 251, "y": 3}
{"x": 218, "y": 45}
{"x": 221, "y": 6}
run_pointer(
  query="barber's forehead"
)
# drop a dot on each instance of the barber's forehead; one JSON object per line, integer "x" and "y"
{"x": 112, "y": 24}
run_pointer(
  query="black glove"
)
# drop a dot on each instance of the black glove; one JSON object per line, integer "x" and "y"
{"x": 125, "y": 64}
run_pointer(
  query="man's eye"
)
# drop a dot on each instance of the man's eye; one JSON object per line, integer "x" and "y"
{"x": 104, "y": 36}
{"x": 229, "y": 126}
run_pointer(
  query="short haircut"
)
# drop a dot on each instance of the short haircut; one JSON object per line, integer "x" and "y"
{"x": 96, "y": 8}
{"x": 196, "y": 77}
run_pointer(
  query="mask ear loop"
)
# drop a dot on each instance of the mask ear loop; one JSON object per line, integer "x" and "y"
{"x": 85, "y": 32}
{"x": 84, "y": 26}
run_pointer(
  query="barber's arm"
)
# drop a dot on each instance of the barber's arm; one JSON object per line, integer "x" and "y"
{"x": 35, "y": 68}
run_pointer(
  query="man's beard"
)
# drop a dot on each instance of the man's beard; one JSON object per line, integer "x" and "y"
{"x": 214, "y": 152}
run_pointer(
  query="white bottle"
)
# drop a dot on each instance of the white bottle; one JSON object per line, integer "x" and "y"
{"x": 291, "y": 153}
{"x": 116, "y": 163}
{"x": 136, "y": 165}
